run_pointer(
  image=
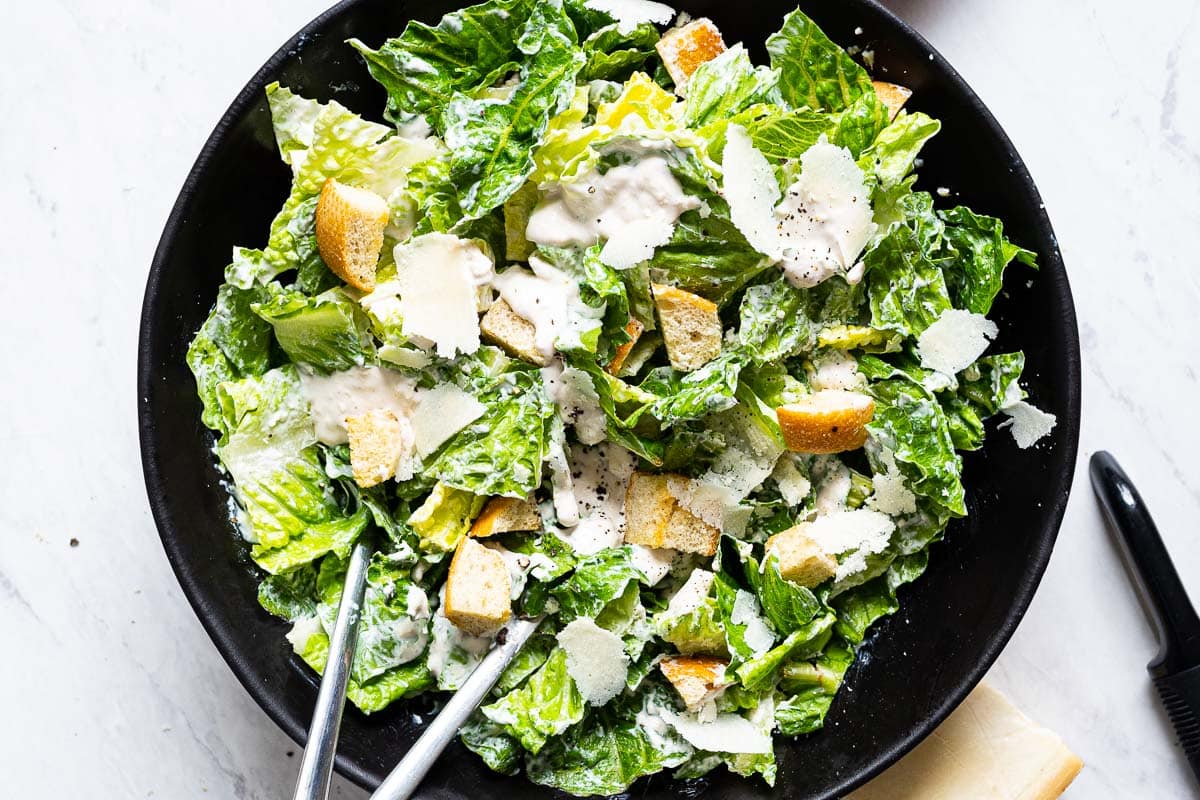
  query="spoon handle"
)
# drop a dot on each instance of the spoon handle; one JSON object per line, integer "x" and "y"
{"x": 411, "y": 770}
{"x": 316, "y": 766}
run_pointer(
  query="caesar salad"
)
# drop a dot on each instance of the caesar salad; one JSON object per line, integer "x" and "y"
{"x": 608, "y": 325}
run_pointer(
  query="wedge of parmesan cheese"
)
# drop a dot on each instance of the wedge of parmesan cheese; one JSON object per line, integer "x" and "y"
{"x": 728, "y": 733}
{"x": 444, "y": 411}
{"x": 955, "y": 340}
{"x": 596, "y": 660}
{"x": 435, "y": 292}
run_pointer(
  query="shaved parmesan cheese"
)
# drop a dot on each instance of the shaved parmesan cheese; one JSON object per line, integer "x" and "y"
{"x": 825, "y": 219}
{"x": 636, "y": 242}
{"x": 692, "y": 594}
{"x": 861, "y": 533}
{"x": 955, "y": 340}
{"x": 302, "y": 630}
{"x": 793, "y": 486}
{"x": 631, "y": 13}
{"x": 745, "y": 612}
{"x": 596, "y": 660}
{"x": 891, "y": 495}
{"x": 1028, "y": 423}
{"x": 833, "y": 484}
{"x": 752, "y": 192}
{"x": 434, "y": 291}
{"x": 652, "y": 562}
{"x": 709, "y": 501}
{"x": 837, "y": 369}
{"x": 728, "y": 733}
{"x": 444, "y": 411}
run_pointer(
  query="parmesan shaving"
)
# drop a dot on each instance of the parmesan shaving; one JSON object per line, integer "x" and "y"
{"x": 728, "y": 733}
{"x": 444, "y": 411}
{"x": 955, "y": 340}
{"x": 631, "y": 13}
{"x": 1028, "y": 423}
{"x": 859, "y": 533}
{"x": 596, "y": 660}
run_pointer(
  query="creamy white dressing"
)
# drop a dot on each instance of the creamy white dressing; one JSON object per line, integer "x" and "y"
{"x": 600, "y": 476}
{"x": 599, "y": 207}
{"x": 578, "y": 404}
{"x": 354, "y": 392}
{"x": 825, "y": 219}
{"x": 547, "y": 298}
{"x": 452, "y": 653}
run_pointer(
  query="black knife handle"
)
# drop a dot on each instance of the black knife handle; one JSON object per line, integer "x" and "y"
{"x": 1162, "y": 593}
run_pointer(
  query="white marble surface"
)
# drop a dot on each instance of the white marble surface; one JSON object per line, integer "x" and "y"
{"x": 109, "y": 687}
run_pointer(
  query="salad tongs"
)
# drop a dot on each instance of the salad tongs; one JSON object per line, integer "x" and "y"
{"x": 316, "y": 765}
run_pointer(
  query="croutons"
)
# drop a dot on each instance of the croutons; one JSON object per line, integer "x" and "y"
{"x": 504, "y": 514}
{"x": 893, "y": 96}
{"x": 801, "y": 559}
{"x": 698, "y": 679}
{"x": 350, "y": 224}
{"x": 684, "y": 49}
{"x": 654, "y": 517}
{"x": 478, "y": 589}
{"x": 690, "y": 326}
{"x": 828, "y": 421}
{"x": 635, "y": 330}
{"x": 512, "y": 333}
{"x": 377, "y": 442}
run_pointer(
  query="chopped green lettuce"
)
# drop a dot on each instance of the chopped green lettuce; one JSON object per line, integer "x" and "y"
{"x": 329, "y": 332}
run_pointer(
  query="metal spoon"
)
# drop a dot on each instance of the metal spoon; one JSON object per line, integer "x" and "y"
{"x": 411, "y": 770}
{"x": 316, "y": 765}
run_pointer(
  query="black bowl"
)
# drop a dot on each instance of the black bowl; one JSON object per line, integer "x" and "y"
{"x": 919, "y": 664}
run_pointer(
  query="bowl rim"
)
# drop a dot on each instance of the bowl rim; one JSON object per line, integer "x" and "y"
{"x": 271, "y": 701}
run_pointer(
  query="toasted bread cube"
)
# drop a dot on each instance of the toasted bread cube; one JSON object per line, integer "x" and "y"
{"x": 648, "y": 508}
{"x": 684, "y": 49}
{"x": 505, "y": 514}
{"x": 828, "y": 421}
{"x": 350, "y": 224}
{"x": 377, "y": 443}
{"x": 635, "y": 330}
{"x": 512, "y": 333}
{"x": 654, "y": 518}
{"x": 698, "y": 679}
{"x": 690, "y": 326}
{"x": 478, "y": 589}
{"x": 801, "y": 560}
{"x": 892, "y": 95}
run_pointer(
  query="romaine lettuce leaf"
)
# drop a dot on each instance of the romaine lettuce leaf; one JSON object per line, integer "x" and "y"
{"x": 329, "y": 332}
{"x": 892, "y": 155}
{"x": 910, "y": 422}
{"x": 692, "y": 395}
{"x": 774, "y": 321}
{"x": 232, "y": 343}
{"x": 290, "y": 595}
{"x": 501, "y": 453}
{"x": 269, "y": 450}
{"x": 907, "y": 290}
{"x": 805, "y": 641}
{"x": 780, "y": 134}
{"x": 614, "y": 747}
{"x": 613, "y": 55}
{"x": 976, "y": 272}
{"x": 490, "y": 139}
{"x": 393, "y": 626}
{"x": 312, "y": 644}
{"x": 598, "y": 580}
{"x": 696, "y": 632}
{"x": 788, "y": 606}
{"x": 708, "y": 255}
{"x": 815, "y": 71}
{"x": 467, "y": 51}
{"x": 445, "y": 517}
{"x": 859, "y": 608}
{"x": 810, "y": 688}
{"x": 727, "y": 85}
{"x": 501, "y": 752}
{"x": 548, "y": 704}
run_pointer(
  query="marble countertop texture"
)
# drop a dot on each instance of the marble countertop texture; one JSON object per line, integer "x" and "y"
{"x": 109, "y": 687}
